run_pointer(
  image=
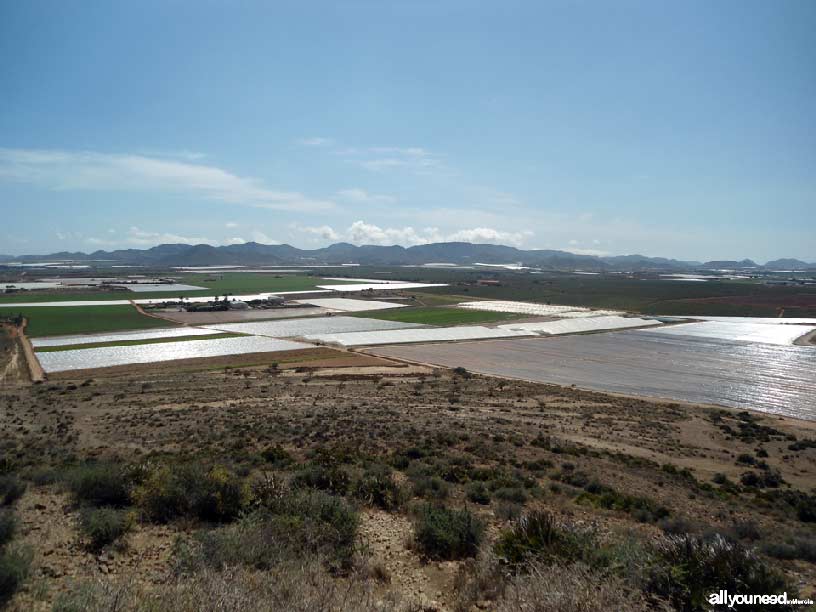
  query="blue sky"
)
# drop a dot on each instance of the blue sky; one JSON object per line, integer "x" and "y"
{"x": 683, "y": 129}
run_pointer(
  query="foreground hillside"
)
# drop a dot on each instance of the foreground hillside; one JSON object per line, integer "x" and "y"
{"x": 391, "y": 489}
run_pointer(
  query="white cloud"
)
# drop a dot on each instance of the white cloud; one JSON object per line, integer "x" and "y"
{"x": 315, "y": 141}
{"x": 86, "y": 171}
{"x": 137, "y": 237}
{"x": 490, "y": 236}
{"x": 324, "y": 231}
{"x": 140, "y": 237}
{"x": 361, "y": 232}
{"x": 230, "y": 224}
{"x": 378, "y": 159}
{"x": 235, "y": 241}
{"x": 259, "y": 236}
{"x": 361, "y": 196}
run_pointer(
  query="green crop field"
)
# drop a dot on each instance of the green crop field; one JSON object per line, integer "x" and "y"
{"x": 61, "y": 320}
{"x": 235, "y": 283}
{"x": 437, "y": 316}
{"x": 73, "y": 347}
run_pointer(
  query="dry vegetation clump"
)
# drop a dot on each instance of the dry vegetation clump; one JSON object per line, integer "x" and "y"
{"x": 294, "y": 587}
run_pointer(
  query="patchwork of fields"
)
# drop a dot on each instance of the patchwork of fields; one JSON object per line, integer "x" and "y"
{"x": 574, "y": 341}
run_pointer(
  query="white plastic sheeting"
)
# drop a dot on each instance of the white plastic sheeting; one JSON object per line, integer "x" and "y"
{"x": 763, "y": 320}
{"x": 173, "y": 332}
{"x": 351, "y": 305}
{"x": 376, "y": 281}
{"x": 740, "y": 332}
{"x": 576, "y": 326}
{"x": 108, "y": 356}
{"x": 402, "y": 336}
{"x": 288, "y": 328}
{"x": 521, "y": 307}
{"x": 380, "y": 286}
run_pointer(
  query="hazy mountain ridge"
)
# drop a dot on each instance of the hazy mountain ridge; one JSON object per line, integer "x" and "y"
{"x": 253, "y": 253}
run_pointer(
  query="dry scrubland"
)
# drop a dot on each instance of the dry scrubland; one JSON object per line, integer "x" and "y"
{"x": 410, "y": 489}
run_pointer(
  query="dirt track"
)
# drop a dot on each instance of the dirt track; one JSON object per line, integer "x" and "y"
{"x": 34, "y": 368}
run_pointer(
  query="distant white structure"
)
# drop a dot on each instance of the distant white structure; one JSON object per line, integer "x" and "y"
{"x": 238, "y": 305}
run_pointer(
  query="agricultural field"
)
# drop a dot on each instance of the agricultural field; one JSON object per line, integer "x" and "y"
{"x": 217, "y": 284}
{"x": 58, "y": 320}
{"x": 438, "y": 316}
{"x": 617, "y": 292}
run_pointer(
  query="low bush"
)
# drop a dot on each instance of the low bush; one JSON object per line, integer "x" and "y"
{"x": 799, "y": 503}
{"x": 508, "y": 511}
{"x": 8, "y": 526}
{"x": 430, "y": 487}
{"x": 15, "y": 563}
{"x": 190, "y": 490}
{"x": 329, "y": 478}
{"x": 99, "y": 484}
{"x": 442, "y": 533}
{"x": 539, "y": 536}
{"x": 277, "y": 456}
{"x": 293, "y": 587}
{"x": 376, "y": 487}
{"x": 11, "y": 489}
{"x": 766, "y": 479}
{"x": 802, "y": 547}
{"x": 477, "y": 493}
{"x": 104, "y": 526}
{"x": 298, "y": 524}
{"x": 516, "y": 495}
{"x": 567, "y": 589}
{"x": 692, "y": 567}
{"x": 642, "y": 509}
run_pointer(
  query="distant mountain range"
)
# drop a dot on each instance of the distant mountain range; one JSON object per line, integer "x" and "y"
{"x": 459, "y": 253}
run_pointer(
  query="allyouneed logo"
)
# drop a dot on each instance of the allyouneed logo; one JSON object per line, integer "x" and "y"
{"x": 722, "y": 598}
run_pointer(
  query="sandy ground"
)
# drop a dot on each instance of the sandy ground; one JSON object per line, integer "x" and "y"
{"x": 14, "y": 368}
{"x": 35, "y": 370}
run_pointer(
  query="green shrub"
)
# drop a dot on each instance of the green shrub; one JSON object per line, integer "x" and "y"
{"x": 190, "y": 490}
{"x": 766, "y": 479}
{"x": 692, "y": 567}
{"x": 295, "y": 525}
{"x": 477, "y": 493}
{"x": 643, "y": 509}
{"x": 516, "y": 495}
{"x": 508, "y": 511}
{"x": 14, "y": 567}
{"x": 442, "y": 533}
{"x": 41, "y": 475}
{"x": 277, "y": 456}
{"x": 99, "y": 484}
{"x": 431, "y": 487}
{"x": 11, "y": 489}
{"x": 802, "y": 547}
{"x": 329, "y": 478}
{"x": 538, "y": 536}
{"x": 8, "y": 526}
{"x": 103, "y": 526}
{"x": 376, "y": 487}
